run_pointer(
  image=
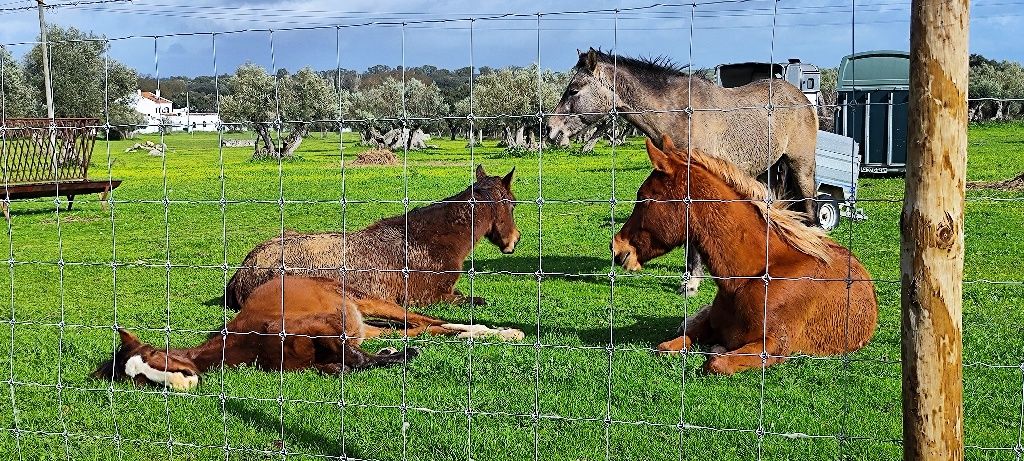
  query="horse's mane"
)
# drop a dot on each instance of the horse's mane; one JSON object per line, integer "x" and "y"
{"x": 811, "y": 241}
{"x": 485, "y": 191}
{"x": 654, "y": 69}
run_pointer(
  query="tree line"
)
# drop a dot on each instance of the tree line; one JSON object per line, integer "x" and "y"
{"x": 84, "y": 81}
{"x": 284, "y": 107}
{"x": 388, "y": 109}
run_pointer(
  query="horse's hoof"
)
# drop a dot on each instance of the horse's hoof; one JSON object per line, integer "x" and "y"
{"x": 674, "y": 345}
{"x": 511, "y": 334}
{"x": 666, "y": 348}
{"x": 718, "y": 365}
{"x": 387, "y": 351}
{"x": 477, "y": 301}
{"x": 412, "y": 352}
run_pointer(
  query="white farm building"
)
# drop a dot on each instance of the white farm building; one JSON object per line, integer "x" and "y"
{"x": 160, "y": 111}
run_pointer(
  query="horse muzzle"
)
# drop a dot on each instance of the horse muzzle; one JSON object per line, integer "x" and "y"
{"x": 625, "y": 255}
{"x": 511, "y": 248}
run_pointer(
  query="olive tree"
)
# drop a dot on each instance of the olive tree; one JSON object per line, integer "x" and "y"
{"x": 284, "y": 104}
{"x": 85, "y": 81}
{"x": 17, "y": 96}
{"x": 387, "y": 120}
{"x": 512, "y": 97}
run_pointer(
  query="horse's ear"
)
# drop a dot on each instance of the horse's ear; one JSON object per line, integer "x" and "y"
{"x": 507, "y": 180}
{"x": 659, "y": 160}
{"x": 480, "y": 173}
{"x": 666, "y": 143}
{"x": 128, "y": 339}
{"x": 590, "y": 61}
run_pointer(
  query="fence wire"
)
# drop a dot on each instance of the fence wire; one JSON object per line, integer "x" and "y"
{"x": 408, "y": 408}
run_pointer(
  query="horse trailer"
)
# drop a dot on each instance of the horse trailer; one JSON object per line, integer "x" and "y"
{"x": 806, "y": 77}
{"x": 837, "y": 161}
{"x": 873, "y": 90}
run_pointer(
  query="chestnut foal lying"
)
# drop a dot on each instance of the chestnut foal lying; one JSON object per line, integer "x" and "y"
{"x": 322, "y": 329}
{"x": 808, "y": 305}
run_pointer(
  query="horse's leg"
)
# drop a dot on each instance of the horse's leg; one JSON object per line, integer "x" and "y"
{"x": 417, "y": 323}
{"x": 696, "y": 329}
{"x": 333, "y": 355}
{"x": 355, "y": 359}
{"x": 748, "y": 356}
{"x": 802, "y": 166}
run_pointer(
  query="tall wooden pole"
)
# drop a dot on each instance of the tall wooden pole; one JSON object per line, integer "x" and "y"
{"x": 932, "y": 223}
{"x": 46, "y": 59}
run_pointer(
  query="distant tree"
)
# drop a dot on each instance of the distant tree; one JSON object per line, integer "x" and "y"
{"x": 267, "y": 104}
{"x": 85, "y": 81}
{"x": 306, "y": 99}
{"x": 512, "y": 96}
{"x": 381, "y": 111}
{"x": 1000, "y": 81}
{"x": 16, "y": 94}
{"x": 827, "y": 97}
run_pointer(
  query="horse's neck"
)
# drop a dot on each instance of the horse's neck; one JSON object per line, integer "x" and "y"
{"x": 648, "y": 108}
{"x": 219, "y": 351}
{"x": 444, "y": 230}
{"x": 723, "y": 222}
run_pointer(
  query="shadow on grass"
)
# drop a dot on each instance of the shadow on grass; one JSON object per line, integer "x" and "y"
{"x": 646, "y": 332}
{"x": 553, "y": 264}
{"x": 294, "y": 435}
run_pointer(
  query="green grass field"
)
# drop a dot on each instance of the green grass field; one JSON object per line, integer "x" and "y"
{"x": 460, "y": 400}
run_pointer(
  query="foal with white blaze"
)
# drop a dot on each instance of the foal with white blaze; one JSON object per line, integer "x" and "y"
{"x": 287, "y": 323}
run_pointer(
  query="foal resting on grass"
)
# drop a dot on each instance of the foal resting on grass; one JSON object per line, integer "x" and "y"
{"x": 808, "y": 305}
{"x": 322, "y": 328}
{"x": 440, "y": 238}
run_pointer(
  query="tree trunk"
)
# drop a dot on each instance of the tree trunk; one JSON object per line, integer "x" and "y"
{"x": 418, "y": 139}
{"x": 520, "y": 139}
{"x": 932, "y": 233}
{"x": 452, "y": 127}
{"x": 263, "y": 135}
{"x": 293, "y": 141}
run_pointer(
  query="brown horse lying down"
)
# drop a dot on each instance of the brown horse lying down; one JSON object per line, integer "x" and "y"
{"x": 316, "y": 316}
{"x": 440, "y": 238}
{"x": 808, "y": 305}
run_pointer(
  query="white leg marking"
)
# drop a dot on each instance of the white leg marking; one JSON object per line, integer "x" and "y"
{"x": 175, "y": 380}
{"x": 480, "y": 330}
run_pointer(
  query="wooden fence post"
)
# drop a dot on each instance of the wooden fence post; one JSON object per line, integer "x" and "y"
{"x": 932, "y": 222}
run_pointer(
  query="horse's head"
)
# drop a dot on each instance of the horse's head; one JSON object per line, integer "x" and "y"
{"x": 587, "y": 99}
{"x": 655, "y": 227}
{"x": 496, "y": 192}
{"x": 145, "y": 364}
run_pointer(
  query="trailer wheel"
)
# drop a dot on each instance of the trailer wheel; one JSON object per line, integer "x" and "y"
{"x": 828, "y": 212}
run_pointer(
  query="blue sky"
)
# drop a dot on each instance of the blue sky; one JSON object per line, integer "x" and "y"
{"x": 820, "y": 32}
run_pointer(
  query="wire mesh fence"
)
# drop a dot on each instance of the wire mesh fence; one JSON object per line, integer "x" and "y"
{"x": 584, "y": 383}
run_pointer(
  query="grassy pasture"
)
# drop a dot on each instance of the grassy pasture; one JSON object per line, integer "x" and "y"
{"x": 172, "y": 237}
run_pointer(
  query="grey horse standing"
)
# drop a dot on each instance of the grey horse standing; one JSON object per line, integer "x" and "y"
{"x": 730, "y": 123}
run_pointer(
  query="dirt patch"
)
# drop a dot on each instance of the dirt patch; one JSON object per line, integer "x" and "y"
{"x": 1016, "y": 183}
{"x": 376, "y": 157}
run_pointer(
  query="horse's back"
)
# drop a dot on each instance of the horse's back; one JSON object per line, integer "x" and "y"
{"x": 365, "y": 261}
{"x": 736, "y": 121}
